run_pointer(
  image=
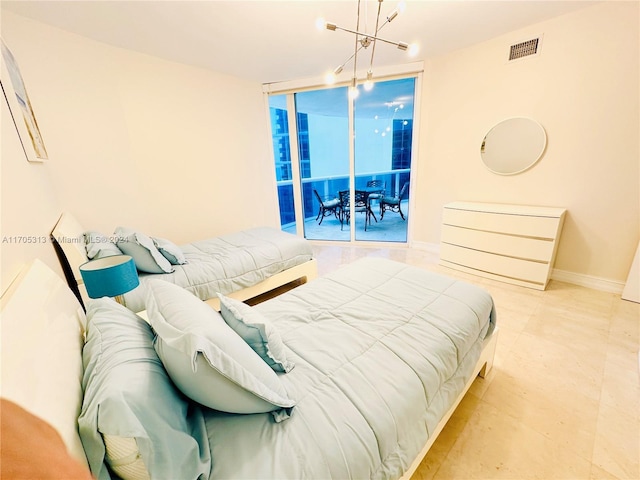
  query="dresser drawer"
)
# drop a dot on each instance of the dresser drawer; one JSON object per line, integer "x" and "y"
{"x": 526, "y": 225}
{"x": 508, "y": 267}
{"x": 528, "y": 248}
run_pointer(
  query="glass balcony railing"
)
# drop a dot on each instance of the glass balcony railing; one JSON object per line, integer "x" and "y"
{"x": 392, "y": 229}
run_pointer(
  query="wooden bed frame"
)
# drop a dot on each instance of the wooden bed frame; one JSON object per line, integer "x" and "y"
{"x": 68, "y": 240}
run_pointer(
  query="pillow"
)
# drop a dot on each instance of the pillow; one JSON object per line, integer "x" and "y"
{"x": 145, "y": 254}
{"x": 129, "y": 396}
{"x": 99, "y": 245}
{"x": 257, "y": 331}
{"x": 170, "y": 251}
{"x": 207, "y": 360}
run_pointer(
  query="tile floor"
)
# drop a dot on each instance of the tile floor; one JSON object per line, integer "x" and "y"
{"x": 563, "y": 398}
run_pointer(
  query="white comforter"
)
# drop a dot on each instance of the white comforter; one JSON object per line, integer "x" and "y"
{"x": 382, "y": 350}
{"x": 230, "y": 262}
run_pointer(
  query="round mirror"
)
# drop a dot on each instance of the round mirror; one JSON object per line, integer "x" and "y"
{"x": 513, "y": 146}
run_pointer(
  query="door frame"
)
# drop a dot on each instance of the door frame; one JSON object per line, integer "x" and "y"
{"x": 290, "y": 88}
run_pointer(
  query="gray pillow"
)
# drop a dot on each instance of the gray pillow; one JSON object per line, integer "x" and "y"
{"x": 257, "y": 331}
{"x": 128, "y": 395}
{"x": 144, "y": 252}
{"x": 170, "y": 251}
{"x": 207, "y": 360}
{"x": 99, "y": 245}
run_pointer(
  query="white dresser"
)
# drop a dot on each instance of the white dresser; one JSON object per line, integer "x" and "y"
{"x": 510, "y": 243}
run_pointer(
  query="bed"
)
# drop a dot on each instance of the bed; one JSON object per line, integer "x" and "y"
{"x": 243, "y": 264}
{"x": 380, "y": 354}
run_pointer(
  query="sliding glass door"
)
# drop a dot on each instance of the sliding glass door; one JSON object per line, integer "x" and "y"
{"x": 383, "y": 150}
{"x": 329, "y": 189}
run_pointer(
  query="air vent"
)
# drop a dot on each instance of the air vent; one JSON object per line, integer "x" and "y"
{"x": 524, "y": 49}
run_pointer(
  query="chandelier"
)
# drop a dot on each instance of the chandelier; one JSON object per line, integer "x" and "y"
{"x": 365, "y": 40}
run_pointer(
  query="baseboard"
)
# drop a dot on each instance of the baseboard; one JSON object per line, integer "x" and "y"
{"x": 588, "y": 281}
{"x": 597, "y": 283}
{"x": 429, "y": 247}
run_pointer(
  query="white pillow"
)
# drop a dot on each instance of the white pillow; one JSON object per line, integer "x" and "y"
{"x": 170, "y": 251}
{"x": 144, "y": 252}
{"x": 207, "y": 360}
{"x": 131, "y": 408}
{"x": 99, "y": 245}
{"x": 257, "y": 331}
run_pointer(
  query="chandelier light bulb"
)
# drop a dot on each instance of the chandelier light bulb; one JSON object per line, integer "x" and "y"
{"x": 368, "y": 85}
{"x": 330, "y": 78}
{"x": 413, "y": 50}
{"x": 321, "y": 23}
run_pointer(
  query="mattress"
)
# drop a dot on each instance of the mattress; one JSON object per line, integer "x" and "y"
{"x": 229, "y": 263}
{"x": 382, "y": 350}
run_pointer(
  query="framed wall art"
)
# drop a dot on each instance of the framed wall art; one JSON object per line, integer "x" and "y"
{"x": 15, "y": 93}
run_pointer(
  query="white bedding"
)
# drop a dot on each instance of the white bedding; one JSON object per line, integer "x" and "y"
{"x": 229, "y": 263}
{"x": 383, "y": 353}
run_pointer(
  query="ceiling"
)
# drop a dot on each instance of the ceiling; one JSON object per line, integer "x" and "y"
{"x": 270, "y": 41}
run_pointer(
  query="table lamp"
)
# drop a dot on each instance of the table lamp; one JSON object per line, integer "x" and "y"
{"x": 111, "y": 276}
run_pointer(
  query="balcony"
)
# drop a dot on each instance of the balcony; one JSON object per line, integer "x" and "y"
{"x": 391, "y": 229}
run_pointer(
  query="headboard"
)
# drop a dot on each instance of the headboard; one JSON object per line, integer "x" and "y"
{"x": 42, "y": 335}
{"x": 67, "y": 238}
{"x": 68, "y": 233}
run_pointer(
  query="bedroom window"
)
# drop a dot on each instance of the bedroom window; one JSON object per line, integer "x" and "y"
{"x": 315, "y": 160}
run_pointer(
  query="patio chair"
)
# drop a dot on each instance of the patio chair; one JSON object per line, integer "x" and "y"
{"x": 327, "y": 207}
{"x": 394, "y": 204}
{"x": 376, "y": 189}
{"x": 360, "y": 205}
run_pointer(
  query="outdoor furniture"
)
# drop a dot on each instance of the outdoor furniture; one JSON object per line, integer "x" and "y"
{"x": 376, "y": 189}
{"x": 327, "y": 207}
{"x": 394, "y": 204}
{"x": 361, "y": 205}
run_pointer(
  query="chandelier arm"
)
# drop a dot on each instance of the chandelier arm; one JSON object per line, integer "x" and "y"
{"x": 355, "y": 53}
{"x": 360, "y": 47}
{"x": 372, "y": 37}
{"x": 373, "y": 49}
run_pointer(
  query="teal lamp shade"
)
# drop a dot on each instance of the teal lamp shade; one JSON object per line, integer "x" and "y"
{"x": 109, "y": 276}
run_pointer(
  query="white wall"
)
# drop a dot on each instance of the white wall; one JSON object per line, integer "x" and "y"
{"x": 172, "y": 150}
{"x": 583, "y": 88}
{"x": 28, "y": 205}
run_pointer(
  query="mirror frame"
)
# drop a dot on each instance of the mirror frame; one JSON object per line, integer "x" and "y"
{"x": 531, "y": 158}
